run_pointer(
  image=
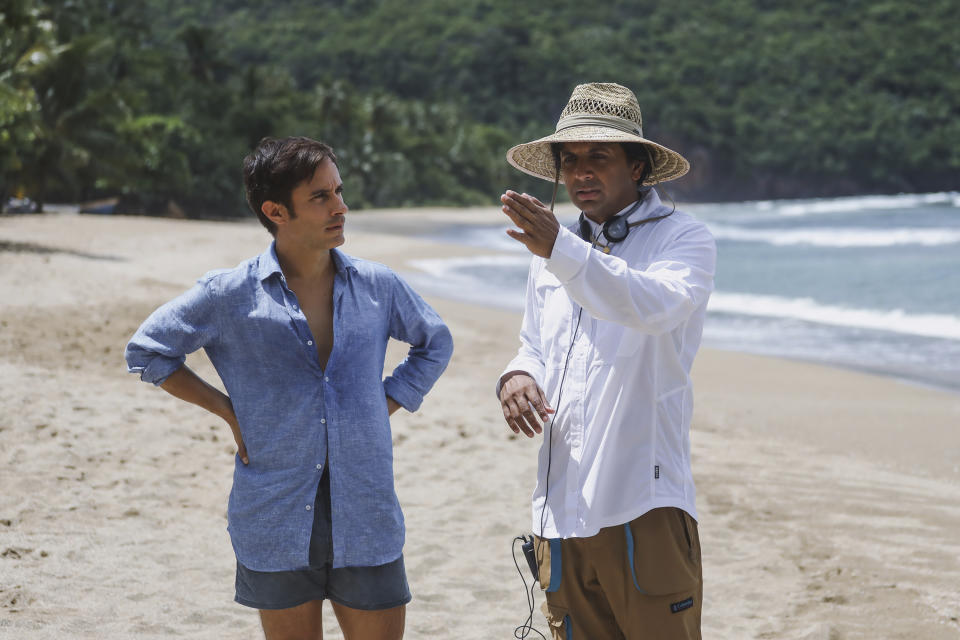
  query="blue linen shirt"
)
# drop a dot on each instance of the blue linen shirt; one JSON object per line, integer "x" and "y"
{"x": 295, "y": 416}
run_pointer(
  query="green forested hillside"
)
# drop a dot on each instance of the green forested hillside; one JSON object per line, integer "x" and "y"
{"x": 158, "y": 101}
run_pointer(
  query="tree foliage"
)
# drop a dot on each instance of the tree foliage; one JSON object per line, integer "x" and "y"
{"x": 159, "y": 101}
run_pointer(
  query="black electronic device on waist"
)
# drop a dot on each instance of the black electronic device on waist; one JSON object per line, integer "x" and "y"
{"x": 528, "y": 553}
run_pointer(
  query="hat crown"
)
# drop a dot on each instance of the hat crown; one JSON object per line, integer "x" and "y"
{"x": 598, "y": 112}
{"x": 603, "y": 99}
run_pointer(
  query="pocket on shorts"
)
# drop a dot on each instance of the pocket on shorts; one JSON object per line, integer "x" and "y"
{"x": 663, "y": 552}
{"x": 549, "y": 562}
{"x": 558, "y": 619}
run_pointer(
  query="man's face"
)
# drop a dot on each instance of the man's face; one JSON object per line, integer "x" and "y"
{"x": 600, "y": 180}
{"x": 319, "y": 211}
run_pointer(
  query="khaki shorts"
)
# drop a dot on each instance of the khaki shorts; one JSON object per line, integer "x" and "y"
{"x": 638, "y": 580}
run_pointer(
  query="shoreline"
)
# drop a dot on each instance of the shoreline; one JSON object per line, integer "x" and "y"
{"x": 920, "y": 383}
{"x": 407, "y": 223}
{"x": 829, "y": 495}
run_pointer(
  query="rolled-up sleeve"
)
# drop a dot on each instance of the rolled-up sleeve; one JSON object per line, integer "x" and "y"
{"x": 415, "y": 322}
{"x": 181, "y": 326}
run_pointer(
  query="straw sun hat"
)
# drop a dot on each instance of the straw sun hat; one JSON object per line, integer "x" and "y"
{"x": 603, "y": 112}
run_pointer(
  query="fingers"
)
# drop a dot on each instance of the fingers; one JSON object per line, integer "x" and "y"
{"x": 523, "y": 200}
{"x": 242, "y": 452}
{"x": 509, "y": 419}
{"x": 525, "y": 408}
{"x": 543, "y": 402}
{"x": 520, "y": 206}
{"x": 518, "y": 236}
{"x": 539, "y": 403}
{"x": 519, "y": 420}
{"x": 516, "y": 217}
{"x": 538, "y": 227}
{"x": 241, "y": 447}
{"x": 530, "y": 417}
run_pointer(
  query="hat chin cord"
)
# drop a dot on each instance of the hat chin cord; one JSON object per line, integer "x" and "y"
{"x": 556, "y": 186}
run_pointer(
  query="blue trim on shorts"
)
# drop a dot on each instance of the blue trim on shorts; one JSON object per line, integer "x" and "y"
{"x": 633, "y": 571}
{"x": 568, "y": 627}
{"x": 556, "y": 565}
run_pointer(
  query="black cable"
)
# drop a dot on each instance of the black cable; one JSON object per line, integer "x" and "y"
{"x": 524, "y": 630}
{"x": 546, "y": 490}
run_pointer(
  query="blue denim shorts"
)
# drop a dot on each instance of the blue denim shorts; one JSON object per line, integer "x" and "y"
{"x": 368, "y": 588}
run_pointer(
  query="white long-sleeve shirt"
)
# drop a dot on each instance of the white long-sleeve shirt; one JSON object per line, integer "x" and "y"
{"x": 620, "y": 437}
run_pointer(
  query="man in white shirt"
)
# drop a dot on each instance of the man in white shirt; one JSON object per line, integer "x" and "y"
{"x": 614, "y": 314}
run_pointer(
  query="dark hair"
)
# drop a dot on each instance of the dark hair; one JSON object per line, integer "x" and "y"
{"x": 276, "y": 167}
{"x": 633, "y": 150}
{"x": 638, "y": 151}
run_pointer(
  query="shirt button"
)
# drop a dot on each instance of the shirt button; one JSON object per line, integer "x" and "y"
{"x": 310, "y": 343}
{"x": 309, "y": 507}
{"x": 319, "y": 466}
{"x": 326, "y": 378}
{"x": 295, "y": 308}
{"x": 323, "y": 421}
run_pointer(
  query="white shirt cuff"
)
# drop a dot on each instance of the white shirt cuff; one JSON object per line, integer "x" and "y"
{"x": 570, "y": 253}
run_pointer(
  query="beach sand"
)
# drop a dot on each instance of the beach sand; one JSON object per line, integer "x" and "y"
{"x": 829, "y": 500}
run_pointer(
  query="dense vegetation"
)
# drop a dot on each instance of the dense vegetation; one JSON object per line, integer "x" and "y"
{"x": 159, "y": 100}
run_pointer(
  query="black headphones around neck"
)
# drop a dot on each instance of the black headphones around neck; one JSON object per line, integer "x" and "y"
{"x": 616, "y": 228}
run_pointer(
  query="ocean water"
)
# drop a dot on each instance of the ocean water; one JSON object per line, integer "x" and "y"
{"x": 870, "y": 283}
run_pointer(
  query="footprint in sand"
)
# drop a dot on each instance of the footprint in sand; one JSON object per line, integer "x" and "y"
{"x": 13, "y": 598}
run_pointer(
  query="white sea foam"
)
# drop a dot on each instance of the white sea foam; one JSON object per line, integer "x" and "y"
{"x": 839, "y": 236}
{"x": 929, "y": 324}
{"x": 458, "y": 279}
{"x": 767, "y": 209}
{"x": 862, "y": 203}
{"x": 490, "y": 237}
{"x": 448, "y": 266}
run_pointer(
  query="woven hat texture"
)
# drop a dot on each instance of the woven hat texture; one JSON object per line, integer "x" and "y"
{"x": 603, "y": 112}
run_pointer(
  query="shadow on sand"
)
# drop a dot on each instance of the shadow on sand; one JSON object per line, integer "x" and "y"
{"x": 27, "y": 247}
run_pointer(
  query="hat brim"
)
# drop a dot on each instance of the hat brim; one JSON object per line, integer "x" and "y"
{"x": 536, "y": 158}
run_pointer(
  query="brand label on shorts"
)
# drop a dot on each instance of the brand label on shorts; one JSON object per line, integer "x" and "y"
{"x": 656, "y": 471}
{"x": 677, "y": 607}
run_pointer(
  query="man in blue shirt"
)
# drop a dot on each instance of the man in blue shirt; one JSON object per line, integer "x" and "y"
{"x": 298, "y": 336}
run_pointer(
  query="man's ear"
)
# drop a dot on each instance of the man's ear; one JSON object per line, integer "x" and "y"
{"x": 275, "y": 212}
{"x": 638, "y": 166}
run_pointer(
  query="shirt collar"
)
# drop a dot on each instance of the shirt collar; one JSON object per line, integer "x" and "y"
{"x": 270, "y": 263}
{"x": 646, "y": 210}
{"x": 342, "y": 261}
{"x": 651, "y": 202}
